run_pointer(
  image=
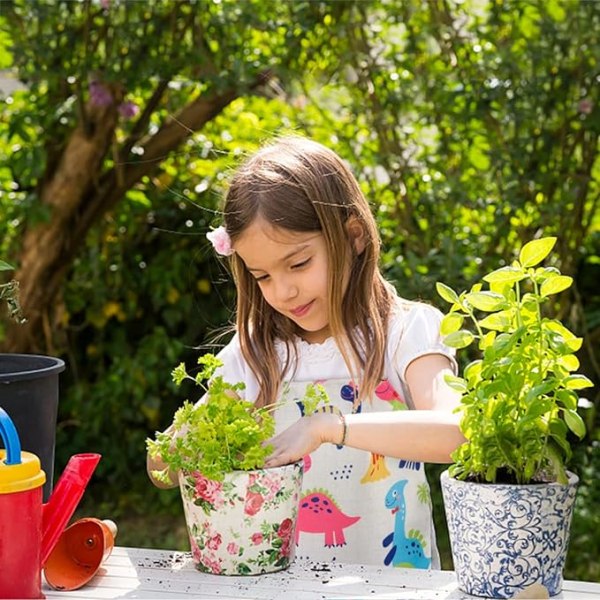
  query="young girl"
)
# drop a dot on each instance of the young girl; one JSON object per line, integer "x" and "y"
{"x": 312, "y": 306}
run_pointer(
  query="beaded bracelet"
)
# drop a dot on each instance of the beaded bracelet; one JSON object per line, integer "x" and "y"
{"x": 344, "y": 430}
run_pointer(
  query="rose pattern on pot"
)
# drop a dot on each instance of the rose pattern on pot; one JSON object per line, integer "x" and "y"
{"x": 507, "y": 537}
{"x": 245, "y": 524}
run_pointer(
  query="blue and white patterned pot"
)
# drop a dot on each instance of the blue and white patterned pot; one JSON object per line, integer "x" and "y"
{"x": 507, "y": 537}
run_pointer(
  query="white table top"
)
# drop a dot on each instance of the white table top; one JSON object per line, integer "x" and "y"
{"x": 146, "y": 573}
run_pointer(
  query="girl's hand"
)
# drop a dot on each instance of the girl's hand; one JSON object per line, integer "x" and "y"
{"x": 304, "y": 437}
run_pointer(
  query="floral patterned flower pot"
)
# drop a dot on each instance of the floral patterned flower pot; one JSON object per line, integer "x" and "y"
{"x": 507, "y": 537}
{"x": 245, "y": 524}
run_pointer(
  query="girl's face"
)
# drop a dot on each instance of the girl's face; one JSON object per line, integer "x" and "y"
{"x": 291, "y": 270}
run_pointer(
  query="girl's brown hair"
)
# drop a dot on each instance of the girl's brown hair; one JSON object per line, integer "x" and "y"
{"x": 300, "y": 185}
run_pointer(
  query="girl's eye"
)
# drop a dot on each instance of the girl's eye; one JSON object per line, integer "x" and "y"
{"x": 261, "y": 278}
{"x": 301, "y": 264}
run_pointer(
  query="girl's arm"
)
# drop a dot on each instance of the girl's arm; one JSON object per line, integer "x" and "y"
{"x": 428, "y": 434}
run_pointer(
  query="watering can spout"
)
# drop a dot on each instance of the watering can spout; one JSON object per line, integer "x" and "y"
{"x": 64, "y": 499}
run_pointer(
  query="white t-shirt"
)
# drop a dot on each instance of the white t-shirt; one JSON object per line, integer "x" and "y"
{"x": 358, "y": 507}
{"x": 413, "y": 332}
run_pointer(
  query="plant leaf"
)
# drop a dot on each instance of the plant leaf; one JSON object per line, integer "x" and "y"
{"x": 459, "y": 339}
{"x": 450, "y": 323}
{"x": 574, "y": 422}
{"x": 4, "y": 266}
{"x": 505, "y": 275}
{"x": 578, "y": 382}
{"x": 555, "y": 459}
{"x": 486, "y": 301}
{"x": 447, "y": 293}
{"x": 568, "y": 398}
{"x": 497, "y": 322}
{"x": 178, "y": 374}
{"x": 487, "y": 340}
{"x": 556, "y": 284}
{"x": 539, "y": 407}
{"x": 569, "y": 362}
{"x": 570, "y": 339}
{"x": 456, "y": 383}
{"x": 535, "y": 252}
{"x": 473, "y": 370}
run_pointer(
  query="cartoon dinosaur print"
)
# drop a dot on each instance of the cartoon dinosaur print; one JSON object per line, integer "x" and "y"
{"x": 349, "y": 393}
{"x": 406, "y": 551}
{"x": 377, "y": 469}
{"x": 318, "y": 513}
{"x": 409, "y": 464}
{"x": 385, "y": 391}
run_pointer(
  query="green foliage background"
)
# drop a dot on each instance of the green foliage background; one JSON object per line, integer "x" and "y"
{"x": 472, "y": 126}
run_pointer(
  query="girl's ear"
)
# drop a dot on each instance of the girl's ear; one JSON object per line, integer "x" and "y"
{"x": 356, "y": 233}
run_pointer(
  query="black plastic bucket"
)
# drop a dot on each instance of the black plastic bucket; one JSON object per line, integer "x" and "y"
{"x": 29, "y": 394}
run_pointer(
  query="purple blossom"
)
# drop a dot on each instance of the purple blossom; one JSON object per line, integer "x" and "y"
{"x": 585, "y": 106}
{"x": 128, "y": 109}
{"x": 99, "y": 94}
{"x": 105, "y": 4}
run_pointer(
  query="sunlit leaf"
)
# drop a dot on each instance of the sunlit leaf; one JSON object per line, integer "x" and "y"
{"x": 487, "y": 340}
{"x": 569, "y": 362}
{"x": 505, "y": 275}
{"x": 554, "y": 285}
{"x": 450, "y": 323}
{"x": 447, "y": 293}
{"x": 500, "y": 321}
{"x": 573, "y": 342}
{"x": 486, "y": 301}
{"x": 473, "y": 370}
{"x": 459, "y": 339}
{"x": 578, "y": 382}
{"x": 535, "y": 252}
{"x": 456, "y": 383}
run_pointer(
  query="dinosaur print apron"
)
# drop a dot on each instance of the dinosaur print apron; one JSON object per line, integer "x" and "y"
{"x": 357, "y": 507}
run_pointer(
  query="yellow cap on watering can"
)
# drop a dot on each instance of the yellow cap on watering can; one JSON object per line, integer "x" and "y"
{"x": 21, "y": 481}
{"x": 20, "y": 477}
{"x": 19, "y": 471}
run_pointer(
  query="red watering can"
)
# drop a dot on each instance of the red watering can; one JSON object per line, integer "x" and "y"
{"x": 29, "y": 529}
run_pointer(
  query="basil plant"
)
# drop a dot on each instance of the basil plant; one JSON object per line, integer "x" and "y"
{"x": 520, "y": 396}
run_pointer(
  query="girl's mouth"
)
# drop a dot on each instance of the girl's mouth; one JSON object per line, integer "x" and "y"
{"x": 300, "y": 311}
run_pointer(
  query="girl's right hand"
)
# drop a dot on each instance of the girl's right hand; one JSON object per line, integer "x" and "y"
{"x": 304, "y": 437}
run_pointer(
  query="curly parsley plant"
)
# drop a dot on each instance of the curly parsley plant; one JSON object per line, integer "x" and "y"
{"x": 519, "y": 399}
{"x": 224, "y": 433}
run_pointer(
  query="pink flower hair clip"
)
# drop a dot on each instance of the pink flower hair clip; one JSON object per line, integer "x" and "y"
{"x": 221, "y": 241}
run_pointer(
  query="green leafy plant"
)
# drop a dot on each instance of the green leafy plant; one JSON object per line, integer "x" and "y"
{"x": 223, "y": 433}
{"x": 519, "y": 399}
{"x": 9, "y": 292}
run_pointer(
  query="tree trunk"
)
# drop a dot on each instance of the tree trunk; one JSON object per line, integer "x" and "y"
{"x": 78, "y": 196}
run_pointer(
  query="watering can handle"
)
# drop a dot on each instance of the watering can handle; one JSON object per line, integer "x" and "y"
{"x": 10, "y": 437}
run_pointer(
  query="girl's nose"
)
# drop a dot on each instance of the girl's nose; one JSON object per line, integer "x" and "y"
{"x": 286, "y": 290}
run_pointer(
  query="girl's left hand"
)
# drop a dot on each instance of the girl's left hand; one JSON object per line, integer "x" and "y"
{"x": 302, "y": 438}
